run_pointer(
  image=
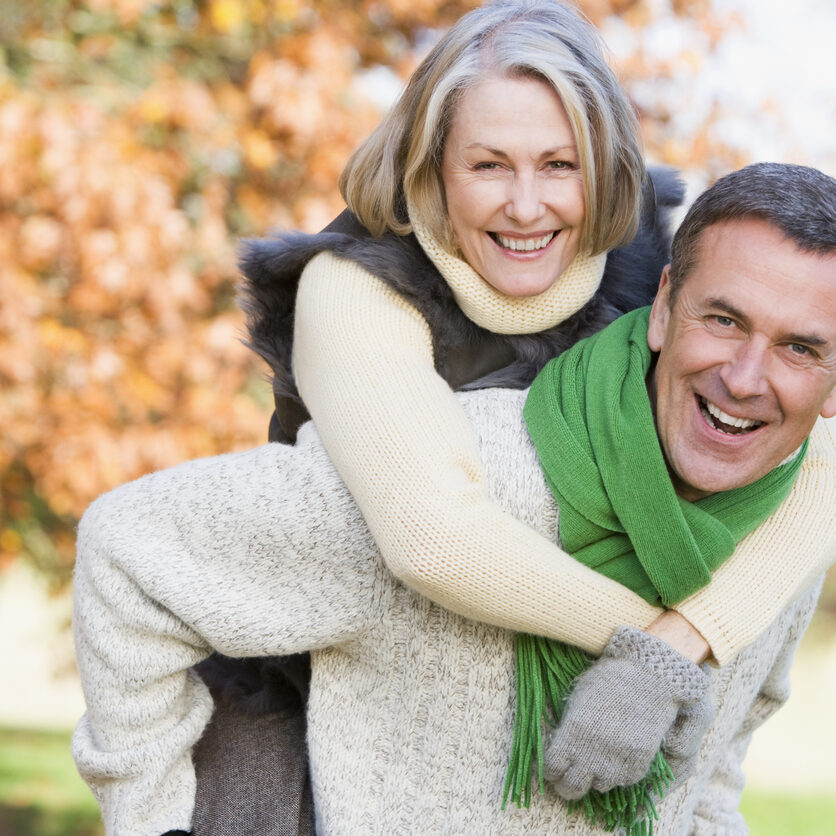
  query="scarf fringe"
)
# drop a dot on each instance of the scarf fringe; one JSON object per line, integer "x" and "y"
{"x": 545, "y": 672}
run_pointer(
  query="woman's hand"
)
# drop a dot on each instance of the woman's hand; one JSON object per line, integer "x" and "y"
{"x": 639, "y": 696}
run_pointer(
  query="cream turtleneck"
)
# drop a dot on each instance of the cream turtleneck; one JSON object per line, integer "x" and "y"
{"x": 503, "y": 314}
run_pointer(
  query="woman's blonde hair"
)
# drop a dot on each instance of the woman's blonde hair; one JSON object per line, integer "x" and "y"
{"x": 548, "y": 41}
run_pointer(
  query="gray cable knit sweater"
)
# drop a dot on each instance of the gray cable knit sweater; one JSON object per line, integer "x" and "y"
{"x": 410, "y": 712}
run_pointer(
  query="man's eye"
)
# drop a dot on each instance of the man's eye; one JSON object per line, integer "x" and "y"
{"x": 801, "y": 350}
{"x": 725, "y": 321}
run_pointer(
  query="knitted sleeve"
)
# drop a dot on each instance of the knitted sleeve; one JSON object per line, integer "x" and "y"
{"x": 363, "y": 363}
{"x": 251, "y": 554}
{"x": 776, "y": 561}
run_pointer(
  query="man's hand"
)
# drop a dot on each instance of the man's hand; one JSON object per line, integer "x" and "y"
{"x": 620, "y": 711}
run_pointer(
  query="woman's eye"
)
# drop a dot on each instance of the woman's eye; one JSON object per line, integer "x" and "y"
{"x": 486, "y": 166}
{"x": 560, "y": 165}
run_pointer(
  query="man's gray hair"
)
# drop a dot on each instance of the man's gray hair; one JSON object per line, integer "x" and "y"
{"x": 798, "y": 200}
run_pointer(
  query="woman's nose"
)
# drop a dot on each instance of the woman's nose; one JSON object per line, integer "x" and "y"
{"x": 524, "y": 204}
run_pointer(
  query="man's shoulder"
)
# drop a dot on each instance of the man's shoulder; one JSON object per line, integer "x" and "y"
{"x": 512, "y": 469}
{"x": 823, "y": 438}
{"x": 496, "y": 415}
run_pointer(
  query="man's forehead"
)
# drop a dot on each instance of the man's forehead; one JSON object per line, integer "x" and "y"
{"x": 746, "y": 236}
{"x": 749, "y": 266}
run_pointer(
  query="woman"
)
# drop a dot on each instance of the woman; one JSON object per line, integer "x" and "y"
{"x": 488, "y": 212}
{"x": 415, "y": 190}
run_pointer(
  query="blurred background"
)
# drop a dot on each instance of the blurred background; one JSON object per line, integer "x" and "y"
{"x": 139, "y": 141}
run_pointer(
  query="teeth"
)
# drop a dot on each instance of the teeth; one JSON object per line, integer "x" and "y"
{"x": 728, "y": 420}
{"x": 740, "y": 423}
{"x": 524, "y": 245}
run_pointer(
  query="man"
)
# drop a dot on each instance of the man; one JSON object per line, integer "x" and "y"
{"x": 411, "y": 706}
{"x": 742, "y": 365}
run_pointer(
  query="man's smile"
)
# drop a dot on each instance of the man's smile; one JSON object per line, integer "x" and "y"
{"x": 723, "y": 422}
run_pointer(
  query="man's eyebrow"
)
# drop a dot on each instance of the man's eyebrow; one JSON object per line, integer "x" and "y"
{"x": 806, "y": 339}
{"x": 724, "y": 305}
{"x": 729, "y": 308}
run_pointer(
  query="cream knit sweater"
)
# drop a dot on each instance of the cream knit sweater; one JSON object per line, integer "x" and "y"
{"x": 363, "y": 362}
{"x": 410, "y": 713}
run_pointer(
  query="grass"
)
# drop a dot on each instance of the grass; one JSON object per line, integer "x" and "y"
{"x": 776, "y": 814}
{"x": 41, "y": 794}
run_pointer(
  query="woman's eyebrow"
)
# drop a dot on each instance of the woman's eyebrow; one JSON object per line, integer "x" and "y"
{"x": 558, "y": 149}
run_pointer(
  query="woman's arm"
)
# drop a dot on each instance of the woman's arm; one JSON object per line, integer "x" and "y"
{"x": 398, "y": 436}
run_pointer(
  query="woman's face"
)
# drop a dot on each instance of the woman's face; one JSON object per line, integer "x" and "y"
{"x": 513, "y": 184}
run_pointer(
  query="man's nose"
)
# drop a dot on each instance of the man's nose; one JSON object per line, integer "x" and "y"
{"x": 524, "y": 202}
{"x": 745, "y": 374}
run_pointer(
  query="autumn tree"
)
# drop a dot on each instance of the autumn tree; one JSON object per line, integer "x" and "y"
{"x": 139, "y": 142}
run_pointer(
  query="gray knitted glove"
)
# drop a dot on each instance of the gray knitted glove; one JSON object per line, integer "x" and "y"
{"x": 620, "y": 711}
{"x": 682, "y": 742}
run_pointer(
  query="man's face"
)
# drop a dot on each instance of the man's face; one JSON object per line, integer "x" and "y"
{"x": 747, "y": 356}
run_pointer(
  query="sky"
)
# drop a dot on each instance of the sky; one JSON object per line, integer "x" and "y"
{"x": 774, "y": 78}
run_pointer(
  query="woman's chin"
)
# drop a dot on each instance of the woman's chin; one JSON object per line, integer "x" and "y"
{"x": 523, "y": 276}
{"x": 523, "y": 284}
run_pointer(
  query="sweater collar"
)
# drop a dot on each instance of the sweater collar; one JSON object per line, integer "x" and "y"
{"x": 503, "y": 314}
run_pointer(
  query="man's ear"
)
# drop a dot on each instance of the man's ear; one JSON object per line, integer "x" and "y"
{"x": 828, "y": 409}
{"x": 660, "y": 312}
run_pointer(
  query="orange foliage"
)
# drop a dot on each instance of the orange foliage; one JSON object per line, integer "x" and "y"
{"x": 139, "y": 141}
{"x": 129, "y": 174}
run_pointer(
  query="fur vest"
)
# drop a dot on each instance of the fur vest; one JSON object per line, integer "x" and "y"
{"x": 466, "y": 355}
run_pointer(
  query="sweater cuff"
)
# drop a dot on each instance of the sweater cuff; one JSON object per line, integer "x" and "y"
{"x": 685, "y": 677}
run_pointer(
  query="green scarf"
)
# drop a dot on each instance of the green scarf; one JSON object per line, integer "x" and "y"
{"x": 589, "y": 416}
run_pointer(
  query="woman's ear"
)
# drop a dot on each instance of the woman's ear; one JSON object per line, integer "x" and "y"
{"x": 660, "y": 312}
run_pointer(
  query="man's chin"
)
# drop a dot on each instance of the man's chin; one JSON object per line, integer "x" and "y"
{"x": 712, "y": 476}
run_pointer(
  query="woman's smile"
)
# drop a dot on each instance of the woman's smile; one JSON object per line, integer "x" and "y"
{"x": 519, "y": 244}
